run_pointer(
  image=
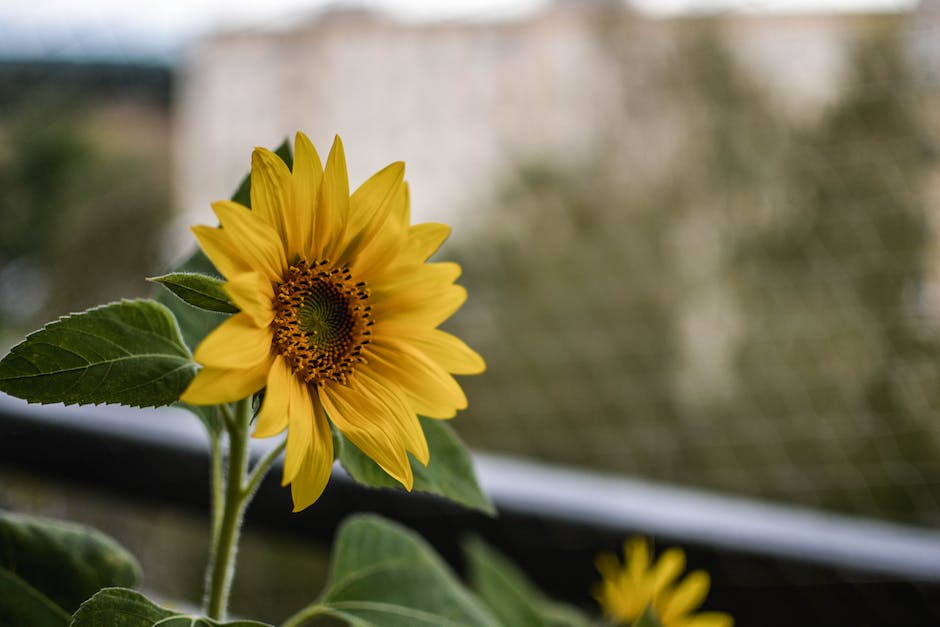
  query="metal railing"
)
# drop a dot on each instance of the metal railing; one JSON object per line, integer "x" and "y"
{"x": 770, "y": 564}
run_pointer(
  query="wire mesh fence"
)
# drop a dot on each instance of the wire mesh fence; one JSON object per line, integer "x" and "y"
{"x": 752, "y": 313}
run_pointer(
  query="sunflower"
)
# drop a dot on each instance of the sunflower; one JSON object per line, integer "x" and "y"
{"x": 339, "y": 316}
{"x": 629, "y": 591}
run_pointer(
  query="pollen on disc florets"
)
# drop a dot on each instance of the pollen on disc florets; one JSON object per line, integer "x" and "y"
{"x": 321, "y": 321}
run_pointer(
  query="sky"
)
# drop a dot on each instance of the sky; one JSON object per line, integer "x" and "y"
{"x": 158, "y": 30}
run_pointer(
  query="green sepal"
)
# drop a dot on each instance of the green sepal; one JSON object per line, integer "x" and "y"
{"x": 120, "y": 607}
{"x": 22, "y": 604}
{"x": 66, "y": 562}
{"x": 199, "y": 290}
{"x": 449, "y": 472}
{"x": 129, "y": 353}
{"x": 509, "y": 594}
{"x": 647, "y": 619}
{"x": 384, "y": 575}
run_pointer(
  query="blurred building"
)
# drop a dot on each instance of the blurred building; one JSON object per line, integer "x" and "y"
{"x": 461, "y": 101}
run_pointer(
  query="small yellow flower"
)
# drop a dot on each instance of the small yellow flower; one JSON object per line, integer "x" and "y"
{"x": 339, "y": 316}
{"x": 626, "y": 591}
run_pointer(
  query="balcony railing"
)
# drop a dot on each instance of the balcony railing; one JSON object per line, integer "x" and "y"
{"x": 770, "y": 564}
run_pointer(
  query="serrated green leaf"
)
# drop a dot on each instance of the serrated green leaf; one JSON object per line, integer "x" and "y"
{"x": 21, "y": 604}
{"x": 199, "y": 290}
{"x": 129, "y": 353}
{"x": 509, "y": 594}
{"x": 66, "y": 562}
{"x": 120, "y": 607}
{"x": 449, "y": 472}
{"x": 384, "y": 575}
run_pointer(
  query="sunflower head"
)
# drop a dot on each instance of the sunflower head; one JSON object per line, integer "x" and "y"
{"x": 338, "y": 319}
{"x": 639, "y": 591}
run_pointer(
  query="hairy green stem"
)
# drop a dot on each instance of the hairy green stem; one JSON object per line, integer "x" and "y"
{"x": 222, "y": 558}
{"x": 215, "y": 458}
{"x": 261, "y": 469}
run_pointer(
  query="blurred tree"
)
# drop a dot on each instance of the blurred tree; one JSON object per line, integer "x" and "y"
{"x": 86, "y": 195}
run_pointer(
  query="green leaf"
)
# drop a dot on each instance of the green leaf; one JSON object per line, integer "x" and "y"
{"x": 21, "y": 604}
{"x": 384, "y": 575}
{"x": 199, "y": 290}
{"x": 120, "y": 607}
{"x": 128, "y": 352}
{"x": 503, "y": 587}
{"x": 449, "y": 472}
{"x": 509, "y": 594}
{"x": 195, "y": 324}
{"x": 66, "y": 562}
{"x": 648, "y": 619}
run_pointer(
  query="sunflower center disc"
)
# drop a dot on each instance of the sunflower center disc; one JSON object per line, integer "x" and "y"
{"x": 321, "y": 321}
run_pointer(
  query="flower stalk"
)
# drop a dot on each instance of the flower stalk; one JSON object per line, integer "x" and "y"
{"x": 227, "y": 524}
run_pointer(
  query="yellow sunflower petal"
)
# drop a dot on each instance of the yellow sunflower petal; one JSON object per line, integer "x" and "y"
{"x": 300, "y": 429}
{"x": 709, "y": 619}
{"x": 270, "y": 186}
{"x": 419, "y": 283}
{"x": 221, "y": 250}
{"x": 687, "y": 596}
{"x": 424, "y": 239}
{"x": 383, "y": 251}
{"x": 427, "y": 310}
{"x": 355, "y": 417}
{"x": 636, "y": 551}
{"x": 237, "y": 343}
{"x": 371, "y": 205}
{"x": 333, "y": 204}
{"x": 314, "y": 473}
{"x": 254, "y": 295}
{"x": 305, "y": 180}
{"x": 607, "y": 564}
{"x": 398, "y": 410}
{"x": 272, "y": 418}
{"x": 667, "y": 568}
{"x": 449, "y": 351}
{"x": 258, "y": 243}
{"x": 431, "y": 391}
{"x": 213, "y": 386}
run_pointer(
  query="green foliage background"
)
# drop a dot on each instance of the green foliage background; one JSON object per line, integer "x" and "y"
{"x": 84, "y": 168}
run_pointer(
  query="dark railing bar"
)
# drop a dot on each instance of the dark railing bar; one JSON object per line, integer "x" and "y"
{"x": 590, "y": 499}
{"x": 712, "y": 519}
